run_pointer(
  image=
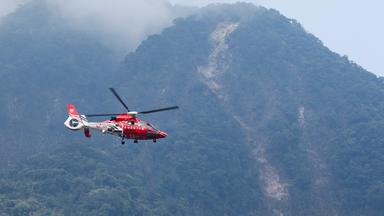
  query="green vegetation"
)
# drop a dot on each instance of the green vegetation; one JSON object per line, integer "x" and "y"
{"x": 146, "y": 179}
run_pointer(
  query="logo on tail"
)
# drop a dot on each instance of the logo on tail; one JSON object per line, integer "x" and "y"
{"x": 74, "y": 121}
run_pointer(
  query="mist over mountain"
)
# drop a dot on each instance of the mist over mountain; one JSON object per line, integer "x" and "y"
{"x": 9, "y": 6}
{"x": 119, "y": 24}
{"x": 271, "y": 122}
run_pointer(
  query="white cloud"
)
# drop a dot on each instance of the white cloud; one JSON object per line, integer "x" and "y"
{"x": 8, "y": 6}
{"x": 123, "y": 23}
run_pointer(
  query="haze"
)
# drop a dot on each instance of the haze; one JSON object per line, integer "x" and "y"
{"x": 346, "y": 27}
{"x": 122, "y": 24}
{"x": 8, "y": 6}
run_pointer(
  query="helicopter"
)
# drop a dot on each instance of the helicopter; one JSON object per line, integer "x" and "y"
{"x": 125, "y": 125}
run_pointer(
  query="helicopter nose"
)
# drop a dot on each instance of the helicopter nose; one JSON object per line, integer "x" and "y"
{"x": 162, "y": 134}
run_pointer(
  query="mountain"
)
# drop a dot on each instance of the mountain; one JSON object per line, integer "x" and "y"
{"x": 310, "y": 119}
{"x": 271, "y": 123}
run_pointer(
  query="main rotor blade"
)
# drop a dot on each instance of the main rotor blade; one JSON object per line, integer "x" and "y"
{"x": 100, "y": 115}
{"x": 119, "y": 98}
{"x": 159, "y": 110}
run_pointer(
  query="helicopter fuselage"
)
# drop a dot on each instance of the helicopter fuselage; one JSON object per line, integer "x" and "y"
{"x": 124, "y": 126}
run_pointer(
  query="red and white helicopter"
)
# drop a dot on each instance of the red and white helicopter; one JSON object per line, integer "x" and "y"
{"x": 126, "y": 125}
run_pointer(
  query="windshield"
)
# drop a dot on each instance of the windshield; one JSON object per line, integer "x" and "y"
{"x": 147, "y": 125}
{"x": 150, "y": 126}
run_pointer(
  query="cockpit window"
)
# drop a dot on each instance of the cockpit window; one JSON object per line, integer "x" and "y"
{"x": 147, "y": 125}
{"x": 150, "y": 126}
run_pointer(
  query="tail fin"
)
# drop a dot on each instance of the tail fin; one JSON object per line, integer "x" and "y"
{"x": 72, "y": 112}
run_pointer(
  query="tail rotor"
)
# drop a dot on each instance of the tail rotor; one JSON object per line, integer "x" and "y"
{"x": 76, "y": 122}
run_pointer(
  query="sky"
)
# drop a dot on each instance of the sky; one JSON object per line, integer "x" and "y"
{"x": 352, "y": 28}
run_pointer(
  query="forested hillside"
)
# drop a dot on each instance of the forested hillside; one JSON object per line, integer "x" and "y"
{"x": 271, "y": 123}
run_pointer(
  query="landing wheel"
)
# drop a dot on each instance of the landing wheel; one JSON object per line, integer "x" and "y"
{"x": 135, "y": 141}
{"x": 154, "y": 140}
{"x": 122, "y": 142}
